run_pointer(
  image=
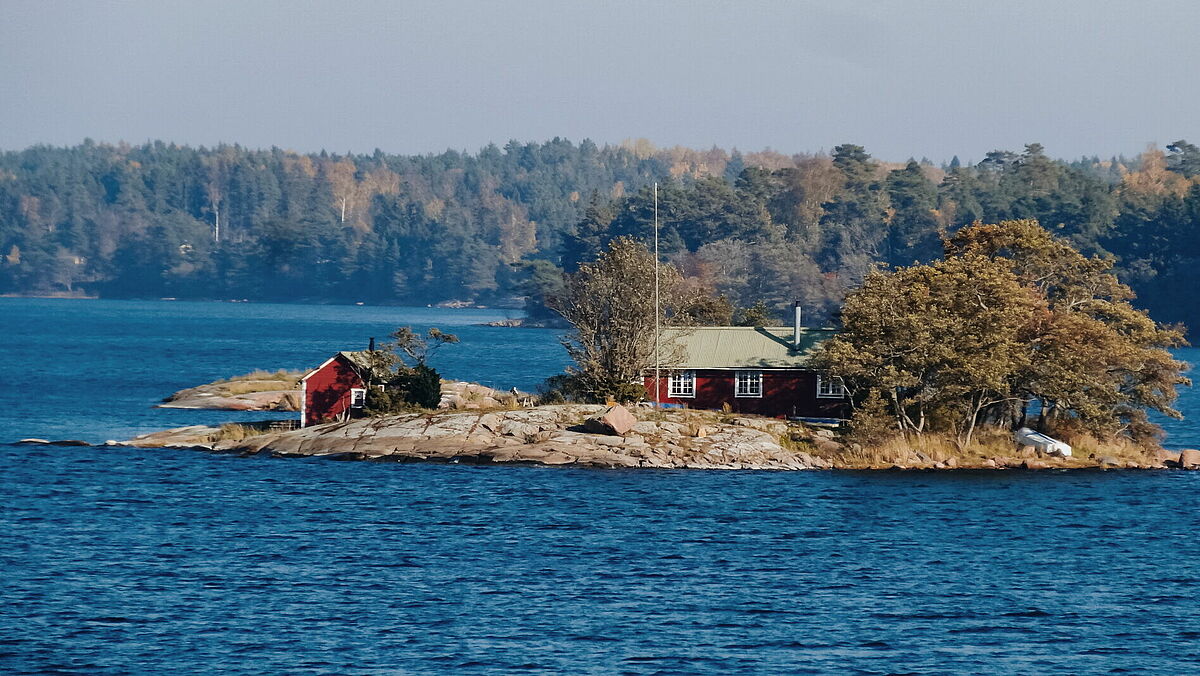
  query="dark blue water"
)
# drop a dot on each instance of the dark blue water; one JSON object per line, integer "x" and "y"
{"x": 92, "y": 369}
{"x": 155, "y": 561}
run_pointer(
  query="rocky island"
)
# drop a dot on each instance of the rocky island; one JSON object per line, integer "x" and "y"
{"x": 257, "y": 391}
{"x": 548, "y": 435}
{"x": 580, "y": 435}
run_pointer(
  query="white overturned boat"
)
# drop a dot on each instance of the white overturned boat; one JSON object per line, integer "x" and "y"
{"x": 1046, "y": 444}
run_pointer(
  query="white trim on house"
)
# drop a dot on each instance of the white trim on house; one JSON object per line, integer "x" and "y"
{"x": 358, "y": 397}
{"x": 681, "y": 384}
{"x": 831, "y": 388}
{"x": 748, "y": 384}
{"x": 323, "y": 365}
{"x": 313, "y": 372}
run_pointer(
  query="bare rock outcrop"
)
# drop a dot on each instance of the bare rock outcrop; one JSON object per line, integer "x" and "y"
{"x": 274, "y": 392}
{"x": 616, "y": 420}
{"x": 465, "y": 396}
{"x": 559, "y": 435}
{"x": 1189, "y": 458}
{"x": 548, "y": 435}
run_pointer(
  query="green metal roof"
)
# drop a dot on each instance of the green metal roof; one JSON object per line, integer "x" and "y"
{"x": 721, "y": 347}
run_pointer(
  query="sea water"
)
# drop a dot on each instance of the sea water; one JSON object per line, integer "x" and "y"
{"x": 119, "y": 560}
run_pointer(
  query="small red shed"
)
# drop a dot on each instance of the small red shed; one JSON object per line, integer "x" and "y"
{"x": 750, "y": 369}
{"x": 336, "y": 389}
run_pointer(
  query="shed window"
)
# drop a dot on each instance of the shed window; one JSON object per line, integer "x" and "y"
{"x": 749, "y": 384}
{"x": 358, "y": 397}
{"x": 830, "y": 388}
{"x": 682, "y": 384}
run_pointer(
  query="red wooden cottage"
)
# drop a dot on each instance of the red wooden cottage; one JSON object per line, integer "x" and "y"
{"x": 335, "y": 390}
{"x": 760, "y": 370}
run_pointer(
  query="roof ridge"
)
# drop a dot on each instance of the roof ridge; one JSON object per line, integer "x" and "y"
{"x": 746, "y": 346}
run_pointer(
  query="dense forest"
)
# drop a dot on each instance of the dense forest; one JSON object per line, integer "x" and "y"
{"x": 162, "y": 220}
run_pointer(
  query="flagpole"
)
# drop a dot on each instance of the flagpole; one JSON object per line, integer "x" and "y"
{"x": 657, "y": 332}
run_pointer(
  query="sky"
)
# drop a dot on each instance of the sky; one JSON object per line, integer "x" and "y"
{"x": 904, "y": 79}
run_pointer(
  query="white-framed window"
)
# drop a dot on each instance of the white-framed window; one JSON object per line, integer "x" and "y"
{"x": 681, "y": 384}
{"x": 358, "y": 397}
{"x": 748, "y": 384}
{"x": 830, "y": 388}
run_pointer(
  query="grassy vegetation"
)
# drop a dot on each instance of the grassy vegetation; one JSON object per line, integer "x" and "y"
{"x": 239, "y": 431}
{"x": 991, "y": 445}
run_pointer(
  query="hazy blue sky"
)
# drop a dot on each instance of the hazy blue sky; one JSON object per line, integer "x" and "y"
{"x": 901, "y": 78}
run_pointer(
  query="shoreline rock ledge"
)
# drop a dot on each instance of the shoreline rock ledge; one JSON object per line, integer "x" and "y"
{"x": 547, "y": 435}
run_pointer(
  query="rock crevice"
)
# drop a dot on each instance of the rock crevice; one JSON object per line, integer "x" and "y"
{"x": 548, "y": 435}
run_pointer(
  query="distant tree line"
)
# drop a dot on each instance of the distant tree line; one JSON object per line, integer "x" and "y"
{"x": 764, "y": 228}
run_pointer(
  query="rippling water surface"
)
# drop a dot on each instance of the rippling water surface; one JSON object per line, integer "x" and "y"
{"x": 150, "y": 561}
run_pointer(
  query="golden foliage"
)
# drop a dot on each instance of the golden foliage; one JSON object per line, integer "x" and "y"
{"x": 641, "y": 148}
{"x": 1010, "y": 316}
{"x": 433, "y": 208}
{"x": 1153, "y": 178}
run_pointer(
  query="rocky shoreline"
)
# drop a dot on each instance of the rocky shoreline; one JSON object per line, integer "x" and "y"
{"x": 274, "y": 400}
{"x": 561, "y": 435}
{"x": 547, "y": 435}
{"x": 261, "y": 395}
{"x": 524, "y": 323}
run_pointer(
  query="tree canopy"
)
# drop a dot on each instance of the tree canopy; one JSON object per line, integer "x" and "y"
{"x": 1010, "y": 317}
{"x": 609, "y": 304}
{"x": 159, "y": 219}
{"x": 400, "y": 377}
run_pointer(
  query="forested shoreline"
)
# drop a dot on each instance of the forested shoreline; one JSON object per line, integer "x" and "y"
{"x": 162, "y": 220}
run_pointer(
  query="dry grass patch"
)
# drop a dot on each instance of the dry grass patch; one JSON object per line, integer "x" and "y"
{"x": 1086, "y": 448}
{"x": 238, "y": 431}
{"x": 990, "y": 444}
{"x": 260, "y": 381}
{"x": 896, "y": 451}
{"x": 281, "y": 374}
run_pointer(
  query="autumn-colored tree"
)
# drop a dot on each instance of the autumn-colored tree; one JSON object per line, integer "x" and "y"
{"x": 340, "y": 175}
{"x": 609, "y": 304}
{"x": 1010, "y": 317}
{"x": 1093, "y": 355}
{"x": 939, "y": 342}
{"x": 758, "y": 314}
{"x": 383, "y": 228}
{"x": 704, "y": 309}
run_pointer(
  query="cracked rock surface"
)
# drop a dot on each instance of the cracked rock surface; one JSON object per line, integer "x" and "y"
{"x": 547, "y": 435}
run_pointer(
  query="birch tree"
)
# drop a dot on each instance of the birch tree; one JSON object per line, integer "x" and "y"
{"x": 609, "y": 304}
